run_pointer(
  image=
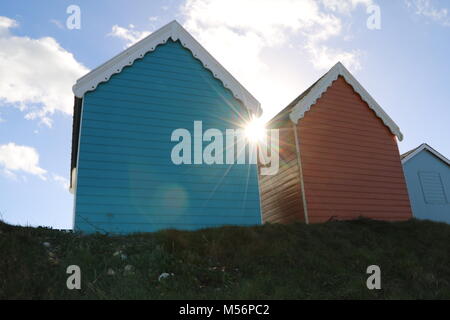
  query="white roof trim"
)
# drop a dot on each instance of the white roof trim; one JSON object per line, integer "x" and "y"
{"x": 298, "y": 111}
{"x": 422, "y": 147}
{"x": 175, "y": 31}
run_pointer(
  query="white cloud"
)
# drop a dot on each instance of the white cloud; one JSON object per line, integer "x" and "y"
{"x": 324, "y": 57}
{"x": 271, "y": 21}
{"x": 130, "y": 35}
{"x": 5, "y": 24}
{"x": 259, "y": 24}
{"x": 57, "y": 23}
{"x": 346, "y": 6}
{"x": 62, "y": 181}
{"x": 36, "y": 74}
{"x": 15, "y": 158}
{"x": 239, "y": 33}
{"x": 427, "y": 9}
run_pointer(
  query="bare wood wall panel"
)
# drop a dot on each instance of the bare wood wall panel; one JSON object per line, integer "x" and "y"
{"x": 280, "y": 193}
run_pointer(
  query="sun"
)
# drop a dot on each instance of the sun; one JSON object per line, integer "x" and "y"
{"x": 255, "y": 130}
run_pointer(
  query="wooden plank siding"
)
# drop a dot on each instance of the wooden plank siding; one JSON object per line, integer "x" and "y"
{"x": 428, "y": 181}
{"x": 126, "y": 181}
{"x": 281, "y": 193}
{"x": 350, "y": 160}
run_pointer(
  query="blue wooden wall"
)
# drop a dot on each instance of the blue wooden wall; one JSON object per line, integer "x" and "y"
{"x": 126, "y": 180}
{"x": 428, "y": 181}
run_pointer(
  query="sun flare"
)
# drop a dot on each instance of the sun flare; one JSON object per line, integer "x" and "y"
{"x": 255, "y": 130}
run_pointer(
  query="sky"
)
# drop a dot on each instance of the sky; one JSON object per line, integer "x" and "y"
{"x": 398, "y": 50}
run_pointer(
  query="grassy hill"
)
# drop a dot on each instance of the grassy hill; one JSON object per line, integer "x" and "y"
{"x": 326, "y": 261}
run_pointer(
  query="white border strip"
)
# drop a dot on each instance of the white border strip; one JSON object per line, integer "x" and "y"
{"x": 300, "y": 173}
{"x": 75, "y": 180}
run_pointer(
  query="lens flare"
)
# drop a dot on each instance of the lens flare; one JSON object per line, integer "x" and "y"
{"x": 255, "y": 130}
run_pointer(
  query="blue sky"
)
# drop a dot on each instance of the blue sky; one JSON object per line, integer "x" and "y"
{"x": 274, "y": 48}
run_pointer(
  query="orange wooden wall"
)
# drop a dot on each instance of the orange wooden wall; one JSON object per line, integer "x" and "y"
{"x": 350, "y": 160}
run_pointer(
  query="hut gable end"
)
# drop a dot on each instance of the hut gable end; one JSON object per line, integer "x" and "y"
{"x": 309, "y": 98}
{"x": 125, "y": 178}
{"x": 350, "y": 160}
{"x": 427, "y": 174}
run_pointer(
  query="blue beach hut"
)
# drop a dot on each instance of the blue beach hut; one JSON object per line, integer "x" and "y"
{"x": 427, "y": 174}
{"x": 129, "y": 172}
